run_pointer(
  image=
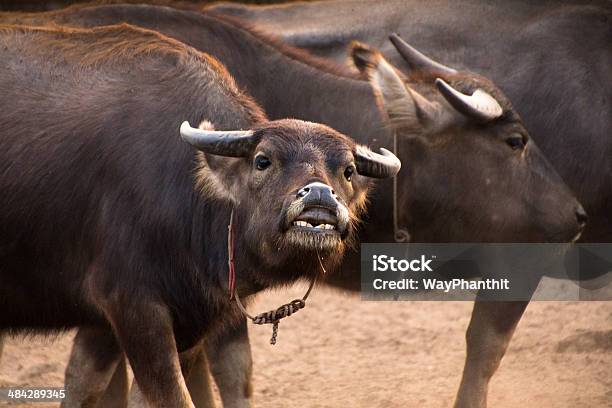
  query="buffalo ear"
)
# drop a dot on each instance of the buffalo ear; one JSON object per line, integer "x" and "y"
{"x": 405, "y": 107}
{"x": 218, "y": 176}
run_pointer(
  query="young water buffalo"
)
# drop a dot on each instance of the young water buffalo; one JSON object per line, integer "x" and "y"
{"x": 522, "y": 199}
{"x": 109, "y": 220}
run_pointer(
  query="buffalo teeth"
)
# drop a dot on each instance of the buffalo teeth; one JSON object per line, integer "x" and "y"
{"x": 320, "y": 226}
{"x": 325, "y": 226}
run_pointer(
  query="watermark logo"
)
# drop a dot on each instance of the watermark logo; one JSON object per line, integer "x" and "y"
{"x": 383, "y": 263}
{"x": 502, "y": 272}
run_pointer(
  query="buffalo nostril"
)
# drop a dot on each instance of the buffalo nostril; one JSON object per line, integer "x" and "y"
{"x": 303, "y": 192}
{"x": 581, "y": 216}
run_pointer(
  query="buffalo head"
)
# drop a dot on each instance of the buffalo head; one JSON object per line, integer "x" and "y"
{"x": 475, "y": 174}
{"x": 297, "y": 187}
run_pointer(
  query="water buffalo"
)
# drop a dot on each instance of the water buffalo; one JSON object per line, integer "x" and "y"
{"x": 524, "y": 200}
{"x": 110, "y": 221}
{"x": 553, "y": 59}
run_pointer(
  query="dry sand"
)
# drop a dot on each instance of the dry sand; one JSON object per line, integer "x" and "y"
{"x": 342, "y": 352}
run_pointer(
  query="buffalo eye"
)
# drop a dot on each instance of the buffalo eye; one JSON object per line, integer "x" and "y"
{"x": 262, "y": 162}
{"x": 348, "y": 173}
{"x": 517, "y": 141}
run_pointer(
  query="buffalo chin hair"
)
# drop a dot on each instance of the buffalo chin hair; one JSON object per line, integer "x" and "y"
{"x": 303, "y": 240}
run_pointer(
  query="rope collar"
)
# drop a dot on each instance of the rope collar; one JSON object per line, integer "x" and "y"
{"x": 272, "y": 317}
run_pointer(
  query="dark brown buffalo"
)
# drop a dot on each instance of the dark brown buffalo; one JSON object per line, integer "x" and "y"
{"x": 468, "y": 179}
{"x": 552, "y": 58}
{"x": 108, "y": 220}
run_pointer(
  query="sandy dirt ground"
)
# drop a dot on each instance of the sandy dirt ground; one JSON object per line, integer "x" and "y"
{"x": 344, "y": 352}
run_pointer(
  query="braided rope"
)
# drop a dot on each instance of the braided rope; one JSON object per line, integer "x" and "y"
{"x": 273, "y": 317}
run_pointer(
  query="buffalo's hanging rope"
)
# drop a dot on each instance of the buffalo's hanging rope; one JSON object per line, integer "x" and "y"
{"x": 399, "y": 234}
{"x": 272, "y": 317}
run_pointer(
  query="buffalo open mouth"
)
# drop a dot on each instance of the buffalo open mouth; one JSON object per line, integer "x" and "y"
{"x": 316, "y": 220}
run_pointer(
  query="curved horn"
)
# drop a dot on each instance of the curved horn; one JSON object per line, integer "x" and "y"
{"x": 415, "y": 59}
{"x": 375, "y": 165}
{"x": 480, "y": 105}
{"x": 239, "y": 143}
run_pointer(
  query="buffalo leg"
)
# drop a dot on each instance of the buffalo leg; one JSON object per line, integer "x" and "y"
{"x": 198, "y": 382}
{"x": 93, "y": 360}
{"x": 192, "y": 361}
{"x": 488, "y": 336}
{"x": 147, "y": 337}
{"x": 136, "y": 400}
{"x": 231, "y": 364}
{"x": 116, "y": 394}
